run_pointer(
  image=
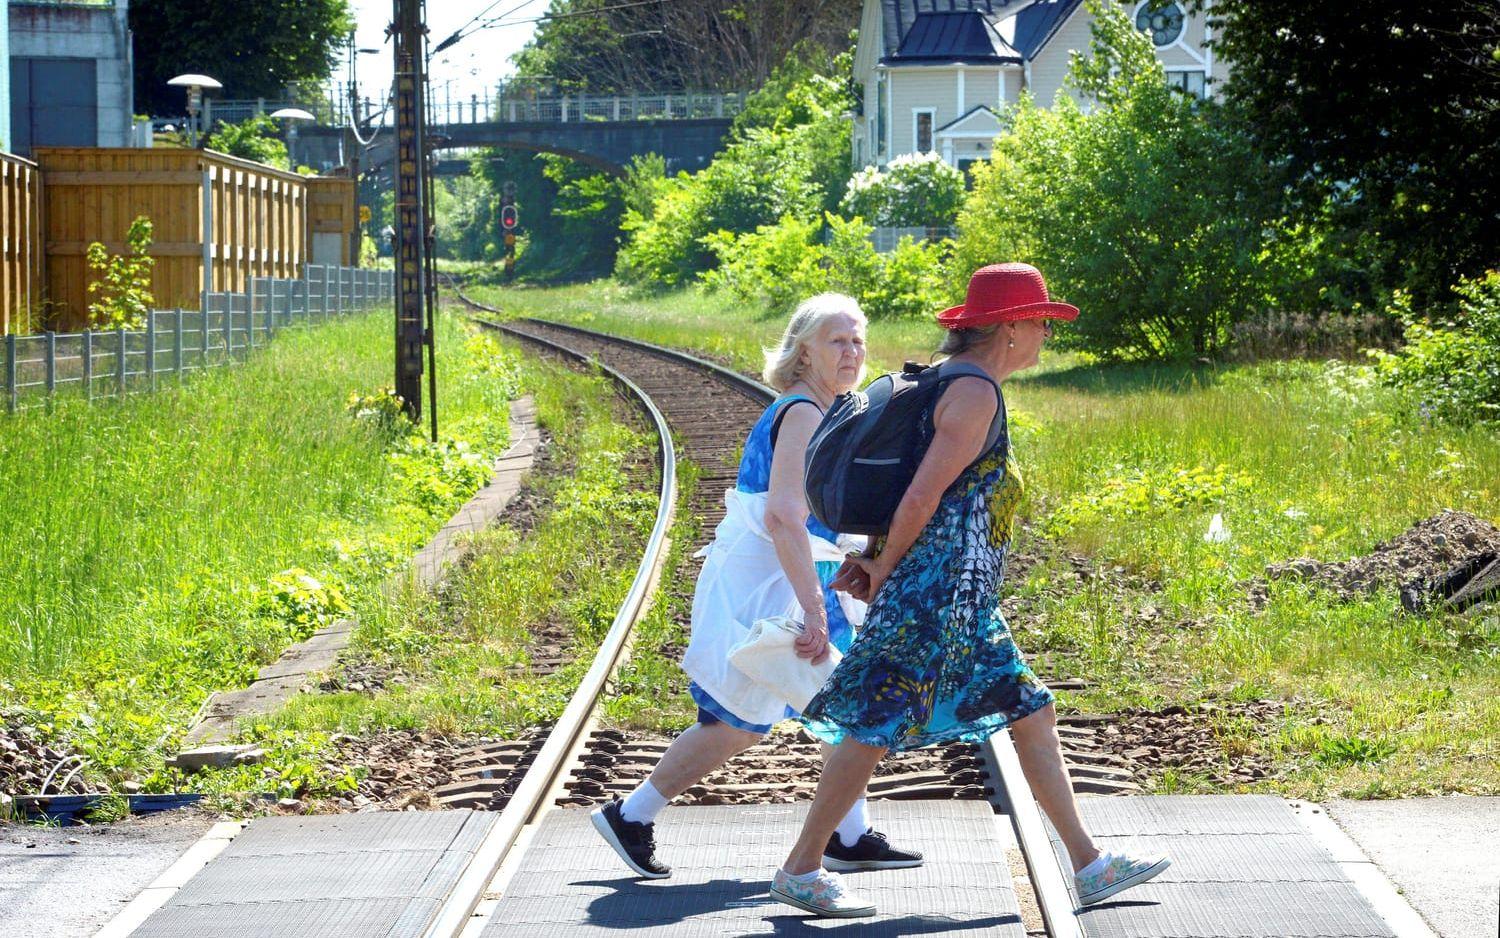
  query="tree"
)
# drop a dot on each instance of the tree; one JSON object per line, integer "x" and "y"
{"x": 1145, "y": 210}
{"x": 254, "y": 49}
{"x": 252, "y": 139}
{"x": 681, "y": 45}
{"x": 1384, "y": 122}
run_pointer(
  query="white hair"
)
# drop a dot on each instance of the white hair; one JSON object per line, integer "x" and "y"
{"x": 784, "y": 362}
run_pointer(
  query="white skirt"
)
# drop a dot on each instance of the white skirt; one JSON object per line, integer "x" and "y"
{"x": 742, "y": 581}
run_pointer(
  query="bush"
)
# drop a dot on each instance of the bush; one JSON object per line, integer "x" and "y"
{"x": 1454, "y": 371}
{"x": 791, "y": 162}
{"x": 783, "y": 264}
{"x": 915, "y": 190}
{"x": 124, "y": 284}
{"x": 1145, "y": 211}
{"x": 253, "y": 139}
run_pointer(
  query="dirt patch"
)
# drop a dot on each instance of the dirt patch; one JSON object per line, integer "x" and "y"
{"x": 1192, "y": 741}
{"x": 398, "y": 769}
{"x": 1418, "y": 556}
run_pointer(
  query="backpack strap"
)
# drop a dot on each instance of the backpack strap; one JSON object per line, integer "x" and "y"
{"x": 948, "y": 370}
{"x": 785, "y": 406}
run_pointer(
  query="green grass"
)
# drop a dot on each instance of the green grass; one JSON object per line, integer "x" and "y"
{"x": 167, "y": 545}
{"x": 455, "y": 653}
{"x": 1129, "y": 463}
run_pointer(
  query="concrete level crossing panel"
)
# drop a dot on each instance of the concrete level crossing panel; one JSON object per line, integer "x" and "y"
{"x": 1242, "y": 867}
{"x": 376, "y": 875}
{"x": 722, "y": 858}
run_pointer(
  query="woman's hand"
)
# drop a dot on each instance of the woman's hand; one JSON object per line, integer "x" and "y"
{"x": 813, "y": 642}
{"x": 861, "y": 577}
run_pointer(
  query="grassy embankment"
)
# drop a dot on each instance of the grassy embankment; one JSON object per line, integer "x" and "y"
{"x": 166, "y": 546}
{"x": 559, "y": 570}
{"x": 1128, "y": 464}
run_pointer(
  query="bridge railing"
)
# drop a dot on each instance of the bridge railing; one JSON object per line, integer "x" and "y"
{"x": 552, "y": 108}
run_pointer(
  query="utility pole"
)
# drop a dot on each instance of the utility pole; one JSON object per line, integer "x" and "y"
{"x": 413, "y": 297}
{"x": 351, "y": 137}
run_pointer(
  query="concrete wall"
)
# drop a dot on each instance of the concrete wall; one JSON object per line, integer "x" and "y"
{"x": 100, "y": 33}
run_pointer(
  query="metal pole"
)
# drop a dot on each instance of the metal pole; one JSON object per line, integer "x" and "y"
{"x": 120, "y": 360}
{"x": 51, "y": 363}
{"x": 88, "y": 364}
{"x": 410, "y": 170}
{"x": 151, "y": 349}
{"x": 177, "y": 342}
{"x": 10, "y": 371}
{"x": 229, "y": 323}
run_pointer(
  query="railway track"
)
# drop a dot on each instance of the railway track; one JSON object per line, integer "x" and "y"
{"x": 709, "y": 410}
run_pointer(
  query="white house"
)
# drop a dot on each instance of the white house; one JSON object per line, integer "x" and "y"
{"x": 936, "y": 73}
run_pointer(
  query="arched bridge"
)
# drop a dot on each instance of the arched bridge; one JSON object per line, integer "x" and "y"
{"x": 604, "y": 131}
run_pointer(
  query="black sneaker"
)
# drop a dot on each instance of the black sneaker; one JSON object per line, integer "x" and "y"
{"x": 871, "y": 852}
{"x": 633, "y": 841}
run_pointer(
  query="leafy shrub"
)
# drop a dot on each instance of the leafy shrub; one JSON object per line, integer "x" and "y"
{"x": 1145, "y": 211}
{"x": 302, "y": 601}
{"x": 124, "y": 284}
{"x": 914, "y": 190}
{"x": 384, "y": 410}
{"x": 780, "y": 265}
{"x": 1145, "y": 491}
{"x": 792, "y": 162}
{"x": 252, "y": 139}
{"x": 1453, "y": 371}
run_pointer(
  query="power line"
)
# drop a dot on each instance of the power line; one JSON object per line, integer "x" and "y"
{"x": 459, "y": 34}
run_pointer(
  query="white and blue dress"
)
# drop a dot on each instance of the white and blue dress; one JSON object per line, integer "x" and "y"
{"x": 742, "y": 581}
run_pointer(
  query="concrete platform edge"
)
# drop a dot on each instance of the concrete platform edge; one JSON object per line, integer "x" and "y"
{"x": 1368, "y": 878}
{"x": 165, "y": 886}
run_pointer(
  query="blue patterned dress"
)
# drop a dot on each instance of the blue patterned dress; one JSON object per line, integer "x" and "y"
{"x": 935, "y": 661}
{"x": 754, "y": 478}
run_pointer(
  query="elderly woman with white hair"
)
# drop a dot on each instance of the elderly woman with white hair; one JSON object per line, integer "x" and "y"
{"x": 769, "y": 558}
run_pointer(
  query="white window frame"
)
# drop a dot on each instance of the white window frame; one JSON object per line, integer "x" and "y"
{"x": 1176, "y": 69}
{"x": 931, "y": 113}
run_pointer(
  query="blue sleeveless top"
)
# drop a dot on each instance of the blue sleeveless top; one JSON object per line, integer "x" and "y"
{"x": 754, "y": 479}
{"x": 755, "y": 464}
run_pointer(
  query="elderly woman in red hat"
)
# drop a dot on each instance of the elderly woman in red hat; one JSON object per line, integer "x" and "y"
{"x": 935, "y": 661}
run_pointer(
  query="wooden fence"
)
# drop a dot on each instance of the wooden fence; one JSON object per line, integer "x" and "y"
{"x": 20, "y": 244}
{"x": 220, "y": 222}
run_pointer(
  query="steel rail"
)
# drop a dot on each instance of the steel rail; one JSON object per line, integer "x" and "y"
{"x": 1012, "y": 793}
{"x": 531, "y": 794}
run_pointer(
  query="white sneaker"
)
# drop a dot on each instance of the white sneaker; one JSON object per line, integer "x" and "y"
{"x": 1117, "y": 873}
{"x": 823, "y": 896}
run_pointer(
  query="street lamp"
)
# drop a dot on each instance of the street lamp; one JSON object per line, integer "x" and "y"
{"x": 195, "y": 84}
{"x": 292, "y": 116}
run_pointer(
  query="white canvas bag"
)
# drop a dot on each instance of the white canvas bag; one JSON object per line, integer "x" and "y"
{"x": 768, "y": 657}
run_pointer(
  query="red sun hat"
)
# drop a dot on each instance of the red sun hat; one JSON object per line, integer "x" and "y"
{"x": 1005, "y": 293}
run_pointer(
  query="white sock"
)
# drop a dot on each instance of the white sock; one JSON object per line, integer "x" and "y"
{"x": 802, "y": 877}
{"x": 854, "y": 824}
{"x": 1096, "y": 866}
{"x": 643, "y": 805}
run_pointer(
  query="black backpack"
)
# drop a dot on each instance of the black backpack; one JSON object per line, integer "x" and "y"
{"x": 866, "y": 451}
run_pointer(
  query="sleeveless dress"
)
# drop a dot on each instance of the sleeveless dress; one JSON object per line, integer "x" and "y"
{"x": 754, "y": 481}
{"x": 935, "y": 661}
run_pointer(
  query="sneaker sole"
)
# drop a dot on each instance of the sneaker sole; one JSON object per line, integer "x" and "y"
{"x": 796, "y": 903}
{"x": 601, "y": 824}
{"x": 853, "y": 866}
{"x": 1148, "y": 873}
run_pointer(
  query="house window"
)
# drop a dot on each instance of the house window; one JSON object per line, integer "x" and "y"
{"x": 1163, "y": 20}
{"x": 880, "y": 114}
{"x": 1193, "y": 82}
{"x": 922, "y": 130}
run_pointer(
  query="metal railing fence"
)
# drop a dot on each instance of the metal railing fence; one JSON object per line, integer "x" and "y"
{"x": 115, "y": 362}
